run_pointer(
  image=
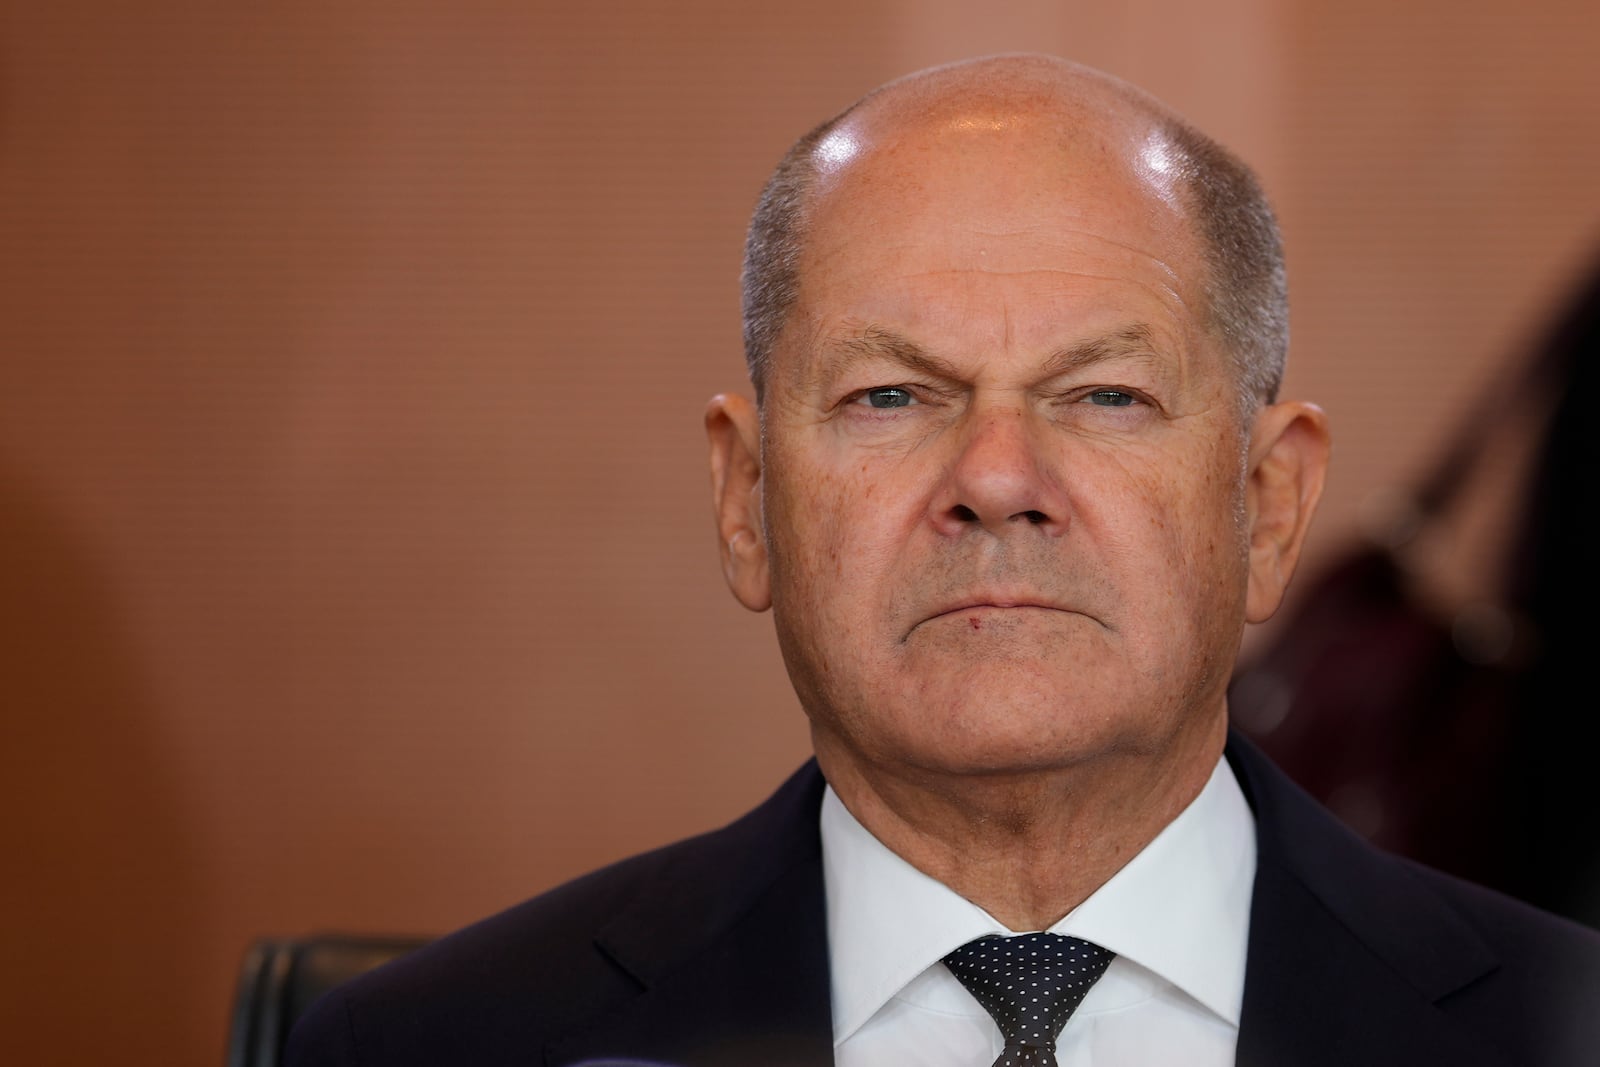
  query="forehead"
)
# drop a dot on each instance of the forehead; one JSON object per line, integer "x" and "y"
{"x": 1003, "y": 218}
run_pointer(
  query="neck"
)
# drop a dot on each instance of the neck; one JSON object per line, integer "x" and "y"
{"x": 1026, "y": 846}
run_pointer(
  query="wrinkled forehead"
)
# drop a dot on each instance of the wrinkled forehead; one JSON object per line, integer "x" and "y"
{"x": 1004, "y": 182}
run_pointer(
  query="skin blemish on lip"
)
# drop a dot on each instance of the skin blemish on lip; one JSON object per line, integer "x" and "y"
{"x": 977, "y": 623}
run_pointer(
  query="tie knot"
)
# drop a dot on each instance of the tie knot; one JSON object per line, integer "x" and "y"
{"x": 1031, "y": 984}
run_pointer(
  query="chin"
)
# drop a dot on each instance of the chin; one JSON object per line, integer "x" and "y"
{"x": 1025, "y": 733}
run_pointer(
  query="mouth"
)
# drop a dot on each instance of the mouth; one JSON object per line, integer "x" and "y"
{"x": 996, "y": 605}
{"x": 978, "y": 610}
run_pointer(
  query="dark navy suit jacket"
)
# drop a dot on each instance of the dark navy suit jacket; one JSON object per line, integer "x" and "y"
{"x": 713, "y": 951}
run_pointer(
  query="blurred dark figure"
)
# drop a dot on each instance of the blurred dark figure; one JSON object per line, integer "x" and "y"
{"x": 1460, "y": 735}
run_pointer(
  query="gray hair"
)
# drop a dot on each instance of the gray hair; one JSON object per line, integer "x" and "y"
{"x": 770, "y": 280}
{"x": 1246, "y": 288}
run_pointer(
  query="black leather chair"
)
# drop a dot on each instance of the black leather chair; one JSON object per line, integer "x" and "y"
{"x": 280, "y": 978}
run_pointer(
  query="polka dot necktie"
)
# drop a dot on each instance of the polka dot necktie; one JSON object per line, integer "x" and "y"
{"x": 1031, "y": 984}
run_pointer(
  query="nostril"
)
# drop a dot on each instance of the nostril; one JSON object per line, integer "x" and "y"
{"x": 1035, "y": 517}
{"x": 964, "y": 513}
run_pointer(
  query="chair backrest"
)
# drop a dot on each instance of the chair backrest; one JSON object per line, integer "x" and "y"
{"x": 280, "y": 977}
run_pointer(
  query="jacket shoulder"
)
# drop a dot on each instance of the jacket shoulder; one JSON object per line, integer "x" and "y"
{"x": 1545, "y": 987}
{"x": 1409, "y": 964}
{"x": 496, "y": 990}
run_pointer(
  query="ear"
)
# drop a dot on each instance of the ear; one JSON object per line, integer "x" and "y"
{"x": 1288, "y": 461}
{"x": 734, "y": 431}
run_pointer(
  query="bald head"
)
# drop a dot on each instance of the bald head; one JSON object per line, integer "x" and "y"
{"x": 1086, "y": 119}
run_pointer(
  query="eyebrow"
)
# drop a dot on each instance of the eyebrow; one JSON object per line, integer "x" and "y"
{"x": 1136, "y": 339}
{"x": 878, "y": 342}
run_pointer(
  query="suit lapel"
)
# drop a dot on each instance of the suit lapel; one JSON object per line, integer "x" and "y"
{"x": 729, "y": 949}
{"x": 1350, "y": 953}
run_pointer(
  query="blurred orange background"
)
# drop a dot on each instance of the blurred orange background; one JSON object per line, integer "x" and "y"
{"x": 356, "y": 563}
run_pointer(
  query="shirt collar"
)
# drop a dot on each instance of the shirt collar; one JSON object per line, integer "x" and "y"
{"x": 1180, "y": 908}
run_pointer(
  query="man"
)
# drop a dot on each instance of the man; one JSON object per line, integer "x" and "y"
{"x": 1014, "y": 482}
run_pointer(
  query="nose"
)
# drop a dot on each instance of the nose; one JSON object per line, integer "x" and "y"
{"x": 999, "y": 479}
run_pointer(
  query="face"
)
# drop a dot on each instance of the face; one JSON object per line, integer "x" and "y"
{"x": 1003, "y": 481}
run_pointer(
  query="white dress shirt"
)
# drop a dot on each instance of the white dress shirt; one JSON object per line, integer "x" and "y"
{"x": 1177, "y": 916}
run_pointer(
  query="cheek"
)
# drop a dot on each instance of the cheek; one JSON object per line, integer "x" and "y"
{"x": 1178, "y": 534}
{"x": 1211, "y": 569}
{"x": 842, "y": 489}
{"x": 1193, "y": 500}
{"x": 831, "y": 535}
{"x": 834, "y": 546}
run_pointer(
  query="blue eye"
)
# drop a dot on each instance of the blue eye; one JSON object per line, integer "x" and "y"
{"x": 1111, "y": 398}
{"x": 888, "y": 397}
